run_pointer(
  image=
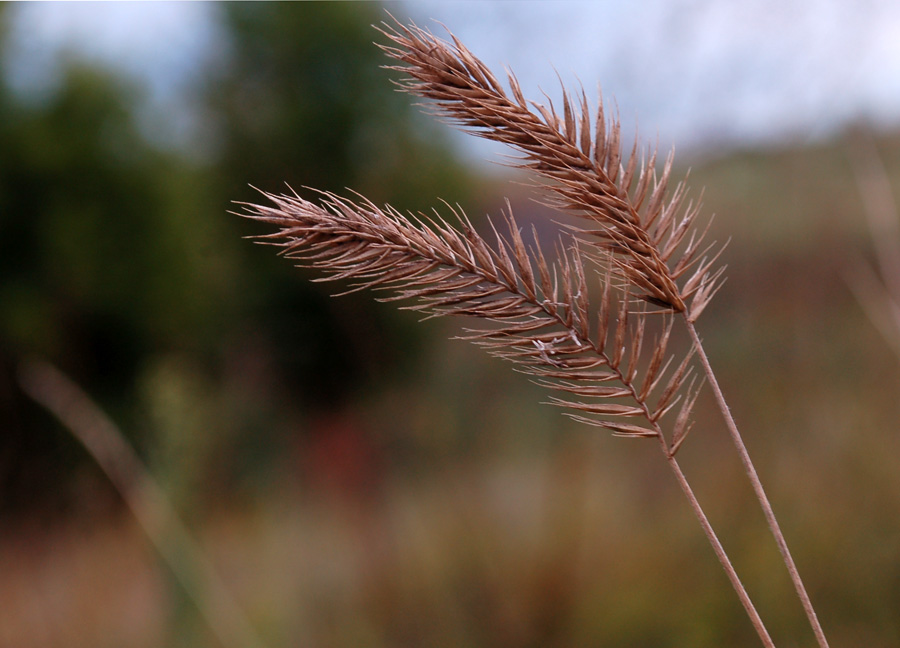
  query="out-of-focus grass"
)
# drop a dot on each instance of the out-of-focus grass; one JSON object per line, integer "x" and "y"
{"x": 557, "y": 549}
{"x": 449, "y": 508}
{"x": 80, "y": 585}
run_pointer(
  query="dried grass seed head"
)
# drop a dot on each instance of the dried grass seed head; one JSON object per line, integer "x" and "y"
{"x": 633, "y": 217}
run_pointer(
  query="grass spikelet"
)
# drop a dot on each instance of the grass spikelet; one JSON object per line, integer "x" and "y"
{"x": 639, "y": 242}
{"x": 584, "y": 164}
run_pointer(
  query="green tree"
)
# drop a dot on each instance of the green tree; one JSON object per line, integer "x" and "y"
{"x": 303, "y": 99}
{"x": 99, "y": 270}
{"x": 120, "y": 263}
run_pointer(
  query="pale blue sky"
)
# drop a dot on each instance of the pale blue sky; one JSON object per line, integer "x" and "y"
{"x": 691, "y": 72}
{"x": 702, "y": 71}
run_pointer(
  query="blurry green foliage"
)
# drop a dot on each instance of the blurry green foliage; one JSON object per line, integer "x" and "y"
{"x": 304, "y": 100}
{"x": 120, "y": 263}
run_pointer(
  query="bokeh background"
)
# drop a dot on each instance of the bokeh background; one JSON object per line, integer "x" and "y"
{"x": 357, "y": 478}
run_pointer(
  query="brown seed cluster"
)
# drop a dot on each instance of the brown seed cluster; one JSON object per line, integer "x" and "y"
{"x": 580, "y": 153}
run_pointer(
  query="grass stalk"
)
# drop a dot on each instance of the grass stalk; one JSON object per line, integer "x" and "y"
{"x": 106, "y": 444}
{"x": 723, "y": 558}
{"x": 758, "y": 489}
{"x": 634, "y": 234}
{"x": 877, "y": 286}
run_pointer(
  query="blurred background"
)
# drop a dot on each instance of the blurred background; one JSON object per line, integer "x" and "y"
{"x": 356, "y": 478}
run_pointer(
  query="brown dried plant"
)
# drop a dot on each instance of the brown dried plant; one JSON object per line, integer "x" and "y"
{"x": 640, "y": 244}
{"x": 877, "y": 287}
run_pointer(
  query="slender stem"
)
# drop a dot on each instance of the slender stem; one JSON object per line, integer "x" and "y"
{"x": 758, "y": 489}
{"x": 146, "y": 498}
{"x": 718, "y": 549}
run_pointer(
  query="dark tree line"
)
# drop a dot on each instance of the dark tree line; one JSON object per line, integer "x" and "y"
{"x": 120, "y": 264}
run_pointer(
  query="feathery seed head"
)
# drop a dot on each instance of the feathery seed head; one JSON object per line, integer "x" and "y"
{"x": 535, "y": 313}
{"x": 631, "y": 216}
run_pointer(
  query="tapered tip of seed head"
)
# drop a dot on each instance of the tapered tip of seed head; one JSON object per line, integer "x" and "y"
{"x": 625, "y": 199}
